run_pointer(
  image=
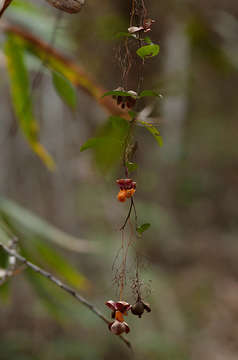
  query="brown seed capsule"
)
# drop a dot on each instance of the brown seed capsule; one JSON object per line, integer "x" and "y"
{"x": 121, "y": 181}
{"x": 138, "y": 308}
{"x": 130, "y": 193}
{"x": 128, "y": 181}
{"x": 123, "y": 306}
{"x": 147, "y": 307}
{"x": 147, "y": 24}
{"x": 69, "y": 6}
{"x": 134, "y": 29}
{"x": 118, "y": 327}
{"x": 119, "y": 100}
{"x": 133, "y": 184}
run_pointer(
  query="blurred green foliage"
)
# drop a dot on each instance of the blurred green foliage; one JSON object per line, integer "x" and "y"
{"x": 189, "y": 254}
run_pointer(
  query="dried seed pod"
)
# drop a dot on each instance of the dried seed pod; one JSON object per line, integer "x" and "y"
{"x": 121, "y": 306}
{"x": 134, "y": 29}
{"x": 147, "y": 24}
{"x": 128, "y": 183}
{"x": 69, "y": 6}
{"x": 130, "y": 102}
{"x": 147, "y": 307}
{"x": 133, "y": 184}
{"x": 139, "y": 307}
{"x": 121, "y": 183}
{"x": 111, "y": 304}
{"x": 119, "y": 100}
{"x": 130, "y": 193}
{"x": 121, "y": 196}
{"x": 117, "y": 327}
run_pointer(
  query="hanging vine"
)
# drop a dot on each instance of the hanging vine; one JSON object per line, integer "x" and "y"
{"x": 139, "y": 26}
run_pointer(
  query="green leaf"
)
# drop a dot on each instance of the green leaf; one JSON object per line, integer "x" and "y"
{"x": 143, "y": 228}
{"x": 124, "y": 34}
{"x": 133, "y": 114}
{"x": 109, "y": 144}
{"x": 149, "y": 93}
{"x": 32, "y": 225}
{"x": 93, "y": 142}
{"x": 131, "y": 166}
{"x": 21, "y": 98}
{"x": 118, "y": 93}
{"x": 155, "y": 132}
{"x": 148, "y": 41}
{"x": 65, "y": 89}
{"x": 148, "y": 51}
{"x": 47, "y": 257}
{"x": 54, "y": 300}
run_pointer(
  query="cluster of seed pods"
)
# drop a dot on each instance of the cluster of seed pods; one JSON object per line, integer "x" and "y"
{"x": 120, "y": 309}
{"x": 145, "y": 28}
{"x": 127, "y": 189}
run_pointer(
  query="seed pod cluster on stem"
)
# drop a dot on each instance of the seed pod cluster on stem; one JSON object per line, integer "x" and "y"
{"x": 127, "y": 189}
{"x": 120, "y": 309}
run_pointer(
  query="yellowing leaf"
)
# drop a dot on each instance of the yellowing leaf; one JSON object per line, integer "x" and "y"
{"x": 21, "y": 98}
{"x": 65, "y": 89}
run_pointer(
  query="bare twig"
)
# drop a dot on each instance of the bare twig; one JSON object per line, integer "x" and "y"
{"x": 128, "y": 215}
{"x": 60, "y": 284}
{"x": 134, "y": 207}
{"x": 3, "y": 5}
{"x": 10, "y": 274}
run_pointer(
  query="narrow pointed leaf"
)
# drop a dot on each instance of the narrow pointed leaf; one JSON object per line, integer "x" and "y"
{"x": 32, "y": 225}
{"x": 21, "y": 98}
{"x": 149, "y": 93}
{"x": 65, "y": 89}
{"x": 143, "y": 228}
{"x": 155, "y": 132}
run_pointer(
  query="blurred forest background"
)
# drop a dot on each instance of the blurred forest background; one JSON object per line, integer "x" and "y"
{"x": 187, "y": 189}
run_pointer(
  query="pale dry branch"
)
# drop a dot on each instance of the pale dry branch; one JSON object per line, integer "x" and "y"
{"x": 3, "y": 5}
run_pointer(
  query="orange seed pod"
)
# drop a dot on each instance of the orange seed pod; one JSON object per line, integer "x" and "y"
{"x": 122, "y": 196}
{"x": 130, "y": 192}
